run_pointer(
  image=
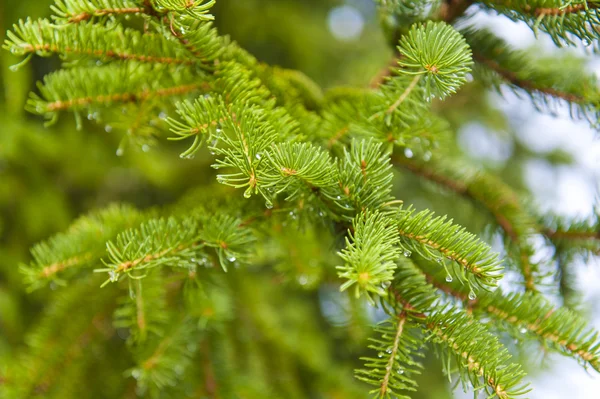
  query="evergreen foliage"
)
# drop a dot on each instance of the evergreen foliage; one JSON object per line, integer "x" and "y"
{"x": 221, "y": 294}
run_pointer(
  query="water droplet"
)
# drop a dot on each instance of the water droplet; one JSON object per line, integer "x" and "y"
{"x": 427, "y": 156}
{"x": 400, "y": 370}
{"x": 472, "y": 296}
{"x": 380, "y": 354}
{"x": 439, "y": 260}
{"x": 232, "y": 259}
{"x": 162, "y": 115}
{"x": 247, "y": 193}
{"x": 449, "y": 278}
{"x": 386, "y": 284}
{"x": 407, "y": 253}
{"x": 269, "y": 204}
{"x": 113, "y": 276}
{"x": 136, "y": 374}
{"x": 388, "y": 350}
{"x": 221, "y": 179}
{"x": 108, "y": 128}
{"x": 522, "y": 330}
{"x": 338, "y": 197}
{"x": 408, "y": 153}
{"x": 145, "y": 148}
{"x": 258, "y": 156}
{"x": 120, "y": 152}
{"x": 302, "y": 279}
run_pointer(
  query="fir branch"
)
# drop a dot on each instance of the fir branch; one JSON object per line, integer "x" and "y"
{"x": 512, "y": 78}
{"x": 393, "y": 369}
{"x": 370, "y": 254}
{"x": 562, "y": 20}
{"x": 197, "y": 9}
{"x": 439, "y": 54}
{"x": 365, "y": 177}
{"x": 76, "y": 11}
{"x": 60, "y": 337}
{"x": 159, "y": 361}
{"x": 79, "y": 246}
{"x": 545, "y": 80}
{"x": 92, "y": 40}
{"x": 493, "y": 195}
{"x": 565, "y": 9}
{"x": 143, "y": 312}
{"x": 155, "y": 242}
{"x": 433, "y": 237}
{"x": 472, "y": 345}
{"x": 88, "y": 88}
{"x": 300, "y": 167}
{"x": 559, "y": 328}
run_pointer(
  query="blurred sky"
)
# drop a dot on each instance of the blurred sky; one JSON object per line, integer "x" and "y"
{"x": 566, "y": 190}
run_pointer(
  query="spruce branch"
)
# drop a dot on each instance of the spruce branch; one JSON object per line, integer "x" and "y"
{"x": 60, "y": 339}
{"x": 365, "y": 176}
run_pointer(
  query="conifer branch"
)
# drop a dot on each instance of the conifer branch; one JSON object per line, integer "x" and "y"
{"x": 502, "y": 205}
{"x": 512, "y": 78}
{"x": 76, "y": 11}
{"x": 564, "y": 21}
{"x": 429, "y": 236}
{"x": 471, "y": 343}
{"x": 91, "y": 40}
{"x": 79, "y": 246}
{"x": 533, "y": 313}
